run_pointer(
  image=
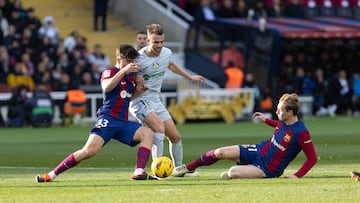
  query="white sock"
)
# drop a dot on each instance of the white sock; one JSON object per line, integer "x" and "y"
{"x": 158, "y": 145}
{"x": 52, "y": 175}
{"x": 176, "y": 152}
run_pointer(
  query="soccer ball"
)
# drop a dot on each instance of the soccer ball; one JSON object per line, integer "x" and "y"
{"x": 162, "y": 167}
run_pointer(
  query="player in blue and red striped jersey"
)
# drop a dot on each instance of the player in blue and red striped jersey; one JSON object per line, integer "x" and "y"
{"x": 269, "y": 158}
{"x": 118, "y": 86}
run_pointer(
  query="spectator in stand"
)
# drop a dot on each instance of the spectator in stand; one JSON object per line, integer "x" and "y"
{"x": 321, "y": 87}
{"x": 260, "y": 10}
{"x": 99, "y": 58}
{"x": 276, "y": 9}
{"x": 100, "y": 10}
{"x": 45, "y": 46}
{"x": 25, "y": 59}
{"x": 204, "y": 12}
{"x": 81, "y": 45}
{"x": 63, "y": 63}
{"x": 42, "y": 74}
{"x": 241, "y": 9}
{"x": 5, "y": 66}
{"x": 229, "y": 54}
{"x": 87, "y": 78}
{"x": 15, "y": 51}
{"x": 140, "y": 40}
{"x": 17, "y": 5}
{"x": 189, "y": 6}
{"x": 11, "y": 36}
{"x": 16, "y": 107}
{"x": 294, "y": 10}
{"x": 226, "y": 10}
{"x": 29, "y": 40}
{"x": 341, "y": 92}
{"x": 32, "y": 19}
{"x": 355, "y": 100}
{"x": 250, "y": 83}
{"x": 70, "y": 41}
{"x": 303, "y": 85}
{"x": 235, "y": 76}
{"x": 20, "y": 76}
{"x": 49, "y": 30}
{"x": 19, "y": 22}
{"x": 4, "y": 27}
{"x": 5, "y": 8}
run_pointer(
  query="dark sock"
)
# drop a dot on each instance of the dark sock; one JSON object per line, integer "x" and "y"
{"x": 204, "y": 160}
{"x": 142, "y": 157}
{"x": 67, "y": 163}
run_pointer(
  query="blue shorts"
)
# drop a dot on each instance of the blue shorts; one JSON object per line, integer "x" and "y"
{"x": 109, "y": 128}
{"x": 249, "y": 155}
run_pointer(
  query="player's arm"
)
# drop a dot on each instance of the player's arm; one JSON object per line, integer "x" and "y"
{"x": 180, "y": 71}
{"x": 307, "y": 146}
{"x": 140, "y": 86}
{"x": 261, "y": 116}
{"x": 109, "y": 81}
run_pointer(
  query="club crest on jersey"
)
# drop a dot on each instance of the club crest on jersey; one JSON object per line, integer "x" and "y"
{"x": 287, "y": 138}
{"x": 155, "y": 65}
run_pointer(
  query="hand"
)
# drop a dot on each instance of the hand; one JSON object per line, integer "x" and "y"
{"x": 131, "y": 68}
{"x": 260, "y": 116}
{"x": 198, "y": 78}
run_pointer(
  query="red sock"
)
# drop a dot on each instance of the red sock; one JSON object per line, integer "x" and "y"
{"x": 67, "y": 163}
{"x": 142, "y": 157}
{"x": 204, "y": 160}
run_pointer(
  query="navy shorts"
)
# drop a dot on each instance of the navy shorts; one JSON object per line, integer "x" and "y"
{"x": 109, "y": 128}
{"x": 249, "y": 155}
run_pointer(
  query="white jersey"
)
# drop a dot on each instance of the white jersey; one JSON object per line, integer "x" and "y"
{"x": 153, "y": 70}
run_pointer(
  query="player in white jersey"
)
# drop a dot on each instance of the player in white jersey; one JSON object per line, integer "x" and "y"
{"x": 154, "y": 60}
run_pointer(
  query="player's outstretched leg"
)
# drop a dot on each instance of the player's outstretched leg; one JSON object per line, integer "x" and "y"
{"x": 142, "y": 158}
{"x": 355, "y": 175}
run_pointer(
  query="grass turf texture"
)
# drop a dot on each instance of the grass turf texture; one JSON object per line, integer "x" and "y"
{"x": 27, "y": 152}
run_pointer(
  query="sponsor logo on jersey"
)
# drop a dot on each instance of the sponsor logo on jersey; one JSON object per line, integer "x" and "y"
{"x": 154, "y": 76}
{"x": 124, "y": 94}
{"x": 279, "y": 146}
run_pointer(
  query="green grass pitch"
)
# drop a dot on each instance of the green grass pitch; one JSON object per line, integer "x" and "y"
{"x": 26, "y": 152}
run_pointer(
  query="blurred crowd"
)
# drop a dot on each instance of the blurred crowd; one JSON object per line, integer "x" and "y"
{"x": 326, "y": 69}
{"x": 33, "y": 53}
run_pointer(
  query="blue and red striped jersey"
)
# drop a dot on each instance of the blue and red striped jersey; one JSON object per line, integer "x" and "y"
{"x": 116, "y": 102}
{"x": 285, "y": 144}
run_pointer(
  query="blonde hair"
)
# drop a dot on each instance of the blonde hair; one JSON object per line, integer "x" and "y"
{"x": 154, "y": 29}
{"x": 291, "y": 102}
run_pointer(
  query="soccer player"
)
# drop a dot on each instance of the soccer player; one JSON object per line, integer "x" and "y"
{"x": 118, "y": 87}
{"x": 269, "y": 158}
{"x": 355, "y": 175}
{"x": 154, "y": 60}
{"x": 140, "y": 40}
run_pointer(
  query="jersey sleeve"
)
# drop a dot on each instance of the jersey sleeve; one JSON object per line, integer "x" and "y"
{"x": 307, "y": 146}
{"x": 108, "y": 73}
{"x": 272, "y": 123}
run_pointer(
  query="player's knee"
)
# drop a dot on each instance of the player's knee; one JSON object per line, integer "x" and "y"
{"x": 219, "y": 153}
{"x": 147, "y": 134}
{"x": 88, "y": 153}
{"x": 174, "y": 138}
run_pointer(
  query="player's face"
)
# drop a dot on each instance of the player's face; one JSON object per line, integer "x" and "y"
{"x": 141, "y": 40}
{"x": 281, "y": 112}
{"x": 156, "y": 43}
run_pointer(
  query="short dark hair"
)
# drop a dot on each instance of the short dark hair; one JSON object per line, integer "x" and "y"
{"x": 128, "y": 52}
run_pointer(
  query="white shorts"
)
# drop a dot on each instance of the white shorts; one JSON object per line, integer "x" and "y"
{"x": 141, "y": 107}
